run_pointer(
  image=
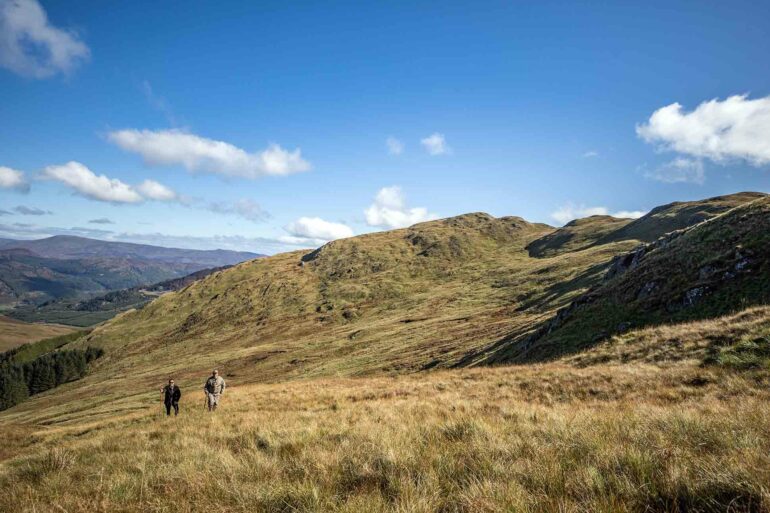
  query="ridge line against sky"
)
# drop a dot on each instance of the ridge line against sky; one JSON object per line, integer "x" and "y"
{"x": 321, "y": 126}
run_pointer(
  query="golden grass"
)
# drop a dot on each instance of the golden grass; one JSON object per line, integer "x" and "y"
{"x": 539, "y": 438}
{"x": 14, "y": 333}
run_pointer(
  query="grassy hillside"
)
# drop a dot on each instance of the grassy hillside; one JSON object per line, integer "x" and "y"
{"x": 330, "y": 407}
{"x": 718, "y": 266}
{"x": 620, "y": 429}
{"x": 14, "y": 333}
{"x": 439, "y": 294}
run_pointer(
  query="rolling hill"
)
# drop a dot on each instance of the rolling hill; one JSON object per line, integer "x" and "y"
{"x": 376, "y": 373}
{"x": 447, "y": 293}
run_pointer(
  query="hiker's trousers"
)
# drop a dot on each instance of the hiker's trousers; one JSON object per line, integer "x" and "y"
{"x": 175, "y": 406}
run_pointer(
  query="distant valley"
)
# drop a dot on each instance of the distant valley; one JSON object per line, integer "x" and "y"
{"x": 42, "y": 279}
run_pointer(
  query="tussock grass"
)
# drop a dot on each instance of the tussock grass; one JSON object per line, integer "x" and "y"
{"x": 552, "y": 437}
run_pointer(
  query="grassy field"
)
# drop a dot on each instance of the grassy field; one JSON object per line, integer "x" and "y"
{"x": 14, "y": 333}
{"x": 647, "y": 423}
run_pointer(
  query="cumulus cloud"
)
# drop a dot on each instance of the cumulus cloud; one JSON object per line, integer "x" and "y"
{"x": 31, "y": 46}
{"x": 389, "y": 210}
{"x": 735, "y": 128}
{"x": 570, "y": 212}
{"x": 13, "y": 179}
{"x": 245, "y": 208}
{"x": 88, "y": 184}
{"x": 101, "y": 220}
{"x": 315, "y": 230}
{"x": 153, "y": 190}
{"x": 435, "y": 144}
{"x": 679, "y": 170}
{"x": 195, "y": 153}
{"x": 395, "y": 147}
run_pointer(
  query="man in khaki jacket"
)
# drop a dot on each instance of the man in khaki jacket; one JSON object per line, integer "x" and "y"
{"x": 214, "y": 388}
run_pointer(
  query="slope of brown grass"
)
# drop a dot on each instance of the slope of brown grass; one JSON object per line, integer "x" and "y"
{"x": 642, "y": 423}
{"x": 540, "y": 438}
{"x": 14, "y": 333}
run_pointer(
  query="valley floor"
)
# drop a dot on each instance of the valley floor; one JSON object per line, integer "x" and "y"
{"x": 552, "y": 437}
{"x": 14, "y": 333}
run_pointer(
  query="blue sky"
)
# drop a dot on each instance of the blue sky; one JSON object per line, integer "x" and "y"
{"x": 266, "y": 126}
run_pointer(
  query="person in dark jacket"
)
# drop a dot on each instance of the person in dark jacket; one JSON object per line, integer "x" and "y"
{"x": 171, "y": 395}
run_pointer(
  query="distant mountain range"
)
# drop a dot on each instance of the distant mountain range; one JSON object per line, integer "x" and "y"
{"x": 33, "y": 272}
{"x": 70, "y": 247}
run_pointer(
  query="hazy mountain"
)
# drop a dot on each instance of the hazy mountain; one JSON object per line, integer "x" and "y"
{"x": 70, "y": 247}
{"x": 38, "y": 271}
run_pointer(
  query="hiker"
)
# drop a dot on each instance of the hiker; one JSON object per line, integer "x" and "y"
{"x": 171, "y": 395}
{"x": 214, "y": 388}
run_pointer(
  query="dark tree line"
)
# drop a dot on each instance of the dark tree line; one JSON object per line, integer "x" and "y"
{"x": 18, "y": 381}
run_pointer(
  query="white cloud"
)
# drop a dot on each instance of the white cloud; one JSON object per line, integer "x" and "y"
{"x": 629, "y": 214}
{"x": 245, "y": 208}
{"x": 195, "y": 153}
{"x": 86, "y": 183}
{"x": 570, "y": 212}
{"x": 12, "y": 179}
{"x": 395, "y": 147}
{"x": 435, "y": 144}
{"x": 389, "y": 210}
{"x": 151, "y": 189}
{"x": 590, "y": 154}
{"x": 31, "y": 46}
{"x": 679, "y": 170}
{"x": 102, "y": 188}
{"x": 317, "y": 230}
{"x": 736, "y": 128}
